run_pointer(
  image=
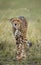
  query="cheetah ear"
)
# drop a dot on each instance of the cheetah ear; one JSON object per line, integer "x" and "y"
{"x": 11, "y": 19}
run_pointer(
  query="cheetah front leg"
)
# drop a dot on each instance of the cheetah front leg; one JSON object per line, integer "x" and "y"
{"x": 20, "y": 52}
{"x": 20, "y": 49}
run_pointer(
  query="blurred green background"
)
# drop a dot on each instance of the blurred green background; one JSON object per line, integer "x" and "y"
{"x": 31, "y": 10}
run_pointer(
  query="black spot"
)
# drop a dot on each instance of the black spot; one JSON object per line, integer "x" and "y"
{"x": 17, "y": 43}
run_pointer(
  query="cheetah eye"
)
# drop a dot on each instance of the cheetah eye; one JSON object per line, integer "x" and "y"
{"x": 15, "y": 24}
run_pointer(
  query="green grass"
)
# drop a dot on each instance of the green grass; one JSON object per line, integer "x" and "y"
{"x": 31, "y": 9}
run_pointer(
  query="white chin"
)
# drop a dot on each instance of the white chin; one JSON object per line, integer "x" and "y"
{"x": 16, "y": 32}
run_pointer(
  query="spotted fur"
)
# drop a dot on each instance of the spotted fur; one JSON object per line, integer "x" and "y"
{"x": 19, "y": 26}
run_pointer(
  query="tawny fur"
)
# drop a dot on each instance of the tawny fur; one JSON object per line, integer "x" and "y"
{"x": 19, "y": 25}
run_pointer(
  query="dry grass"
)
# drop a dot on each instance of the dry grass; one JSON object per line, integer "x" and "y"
{"x": 7, "y": 40}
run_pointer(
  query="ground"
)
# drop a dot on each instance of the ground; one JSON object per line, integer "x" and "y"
{"x": 31, "y": 9}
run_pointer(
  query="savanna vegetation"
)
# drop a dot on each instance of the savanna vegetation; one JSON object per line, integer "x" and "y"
{"x": 31, "y": 9}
